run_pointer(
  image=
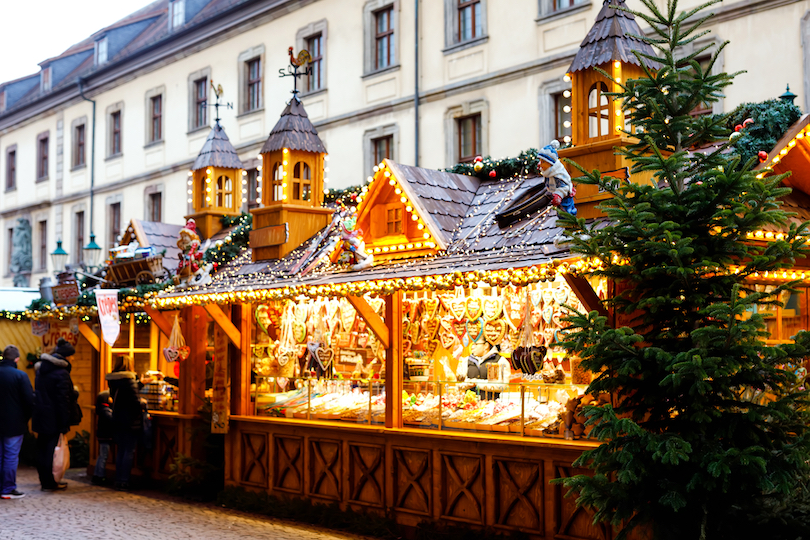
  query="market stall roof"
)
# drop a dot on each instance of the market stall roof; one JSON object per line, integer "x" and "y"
{"x": 217, "y": 151}
{"x": 294, "y": 131}
{"x": 614, "y": 36}
{"x": 154, "y": 234}
{"x": 792, "y": 154}
{"x": 17, "y": 298}
{"x": 475, "y": 240}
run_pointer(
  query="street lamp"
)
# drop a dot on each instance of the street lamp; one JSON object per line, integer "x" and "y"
{"x": 59, "y": 257}
{"x": 91, "y": 252}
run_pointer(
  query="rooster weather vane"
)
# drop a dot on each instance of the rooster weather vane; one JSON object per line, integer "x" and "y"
{"x": 216, "y": 105}
{"x": 301, "y": 61}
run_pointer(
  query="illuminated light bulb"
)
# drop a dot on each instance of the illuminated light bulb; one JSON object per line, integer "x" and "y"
{"x": 284, "y": 184}
{"x": 387, "y": 174}
{"x": 369, "y": 180}
{"x": 208, "y": 189}
{"x": 403, "y": 200}
{"x": 326, "y": 157}
{"x": 385, "y": 249}
{"x": 618, "y": 127}
{"x": 208, "y": 199}
{"x": 401, "y": 246}
{"x": 567, "y": 109}
{"x": 190, "y": 173}
{"x": 566, "y": 93}
{"x": 783, "y": 152}
{"x": 760, "y": 176}
{"x": 258, "y": 190}
{"x": 189, "y": 201}
{"x": 284, "y": 162}
{"x": 409, "y": 208}
{"x": 375, "y": 169}
{"x": 420, "y": 226}
{"x": 285, "y": 150}
{"x": 567, "y": 77}
{"x": 618, "y": 79}
{"x": 208, "y": 171}
{"x": 418, "y": 244}
{"x": 258, "y": 167}
{"x": 617, "y": 64}
{"x": 392, "y": 182}
{"x": 258, "y": 200}
{"x": 244, "y": 172}
{"x": 364, "y": 189}
{"x": 430, "y": 244}
{"x": 800, "y": 135}
{"x": 776, "y": 159}
{"x": 244, "y": 191}
{"x": 792, "y": 143}
{"x": 189, "y": 192}
{"x": 207, "y": 180}
{"x": 426, "y": 236}
{"x": 397, "y": 191}
{"x": 410, "y": 246}
{"x": 567, "y": 123}
{"x": 244, "y": 200}
{"x": 567, "y": 139}
{"x": 325, "y": 179}
{"x": 377, "y": 250}
{"x": 189, "y": 182}
{"x": 382, "y": 164}
{"x": 284, "y": 173}
{"x": 326, "y": 169}
{"x": 244, "y": 182}
{"x": 415, "y": 217}
{"x": 284, "y": 197}
{"x": 618, "y": 112}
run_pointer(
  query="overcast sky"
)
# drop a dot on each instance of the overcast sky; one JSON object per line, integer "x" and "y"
{"x": 35, "y": 30}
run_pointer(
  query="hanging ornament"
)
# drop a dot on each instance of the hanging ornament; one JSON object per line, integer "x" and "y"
{"x": 748, "y": 122}
{"x": 734, "y": 136}
{"x": 478, "y": 159}
{"x": 492, "y": 174}
{"x": 738, "y": 128}
{"x": 478, "y": 166}
{"x": 763, "y": 156}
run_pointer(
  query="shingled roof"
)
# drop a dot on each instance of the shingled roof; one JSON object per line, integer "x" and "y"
{"x": 612, "y": 37}
{"x": 217, "y": 151}
{"x": 294, "y": 131}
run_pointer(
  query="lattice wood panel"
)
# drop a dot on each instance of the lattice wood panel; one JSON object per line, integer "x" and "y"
{"x": 255, "y": 458}
{"x": 413, "y": 480}
{"x": 325, "y": 468}
{"x": 367, "y": 474}
{"x": 519, "y": 494}
{"x": 462, "y": 487}
{"x": 288, "y": 464}
{"x": 572, "y": 523}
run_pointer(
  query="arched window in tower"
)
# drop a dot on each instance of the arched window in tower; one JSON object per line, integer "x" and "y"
{"x": 277, "y": 183}
{"x": 598, "y": 111}
{"x": 204, "y": 192}
{"x": 302, "y": 182}
{"x": 224, "y": 192}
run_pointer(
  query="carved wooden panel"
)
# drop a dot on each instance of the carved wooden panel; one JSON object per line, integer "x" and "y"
{"x": 166, "y": 447}
{"x": 519, "y": 494}
{"x": 324, "y": 468}
{"x": 254, "y": 459}
{"x": 413, "y": 480}
{"x": 367, "y": 474}
{"x": 574, "y": 523}
{"x": 462, "y": 487}
{"x": 288, "y": 464}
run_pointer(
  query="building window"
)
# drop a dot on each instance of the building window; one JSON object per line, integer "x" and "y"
{"x": 278, "y": 182}
{"x": 383, "y": 148}
{"x": 178, "y": 13}
{"x": 598, "y": 111}
{"x": 254, "y": 195}
{"x": 394, "y": 220}
{"x": 703, "y": 109}
{"x": 114, "y": 224}
{"x": 384, "y": 39}
{"x": 155, "y": 206}
{"x": 42, "y": 157}
{"x": 469, "y": 137}
{"x": 559, "y": 5}
{"x": 201, "y": 101}
{"x": 562, "y": 116}
{"x": 115, "y": 133}
{"x": 43, "y": 245}
{"x": 302, "y": 182}
{"x": 315, "y": 49}
{"x": 254, "y": 84}
{"x": 11, "y": 169}
{"x": 470, "y": 20}
{"x": 101, "y": 51}
{"x": 78, "y": 146}
{"x": 9, "y": 249}
{"x": 45, "y": 79}
{"x": 156, "y": 114}
{"x": 224, "y": 192}
{"x": 79, "y": 237}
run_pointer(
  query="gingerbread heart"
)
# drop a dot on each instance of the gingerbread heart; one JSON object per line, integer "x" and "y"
{"x": 324, "y": 356}
{"x": 494, "y": 331}
{"x": 413, "y": 332}
{"x": 548, "y": 296}
{"x": 285, "y": 357}
{"x": 515, "y": 309}
{"x": 431, "y": 346}
{"x": 430, "y": 327}
{"x": 548, "y": 312}
{"x": 458, "y": 308}
{"x": 431, "y": 307}
{"x": 447, "y": 339}
{"x": 474, "y": 329}
{"x": 301, "y": 312}
{"x": 475, "y": 307}
{"x": 376, "y": 303}
{"x": 492, "y": 308}
{"x": 347, "y": 315}
{"x": 171, "y": 354}
{"x": 536, "y": 297}
{"x": 183, "y": 352}
{"x": 407, "y": 345}
{"x": 459, "y": 329}
{"x": 299, "y": 331}
{"x": 560, "y": 295}
{"x": 537, "y": 316}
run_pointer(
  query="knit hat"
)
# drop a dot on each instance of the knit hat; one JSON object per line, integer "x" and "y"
{"x": 11, "y": 353}
{"x": 64, "y": 349}
{"x": 549, "y": 152}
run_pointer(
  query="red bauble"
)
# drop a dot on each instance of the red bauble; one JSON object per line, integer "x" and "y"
{"x": 747, "y": 122}
{"x": 763, "y": 155}
{"x": 492, "y": 174}
{"x": 479, "y": 158}
{"x": 738, "y": 127}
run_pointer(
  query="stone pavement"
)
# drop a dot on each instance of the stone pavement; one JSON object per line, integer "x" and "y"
{"x": 84, "y": 511}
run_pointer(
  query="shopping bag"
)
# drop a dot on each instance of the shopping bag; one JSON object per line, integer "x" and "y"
{"x": 177, "y": 349}
{"x": 61, "y": 458}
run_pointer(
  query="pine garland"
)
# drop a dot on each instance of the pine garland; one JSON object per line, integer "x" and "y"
{"x": 523, "y": 165}
{"x": 772, "y": 118}
{"x": 225, "y": 250}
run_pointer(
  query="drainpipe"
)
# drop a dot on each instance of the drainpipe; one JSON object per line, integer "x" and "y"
{"x": 416, "y": 79}
{"x": 80, "y": 82}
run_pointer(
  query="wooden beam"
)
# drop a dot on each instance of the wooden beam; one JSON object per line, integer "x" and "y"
{"x": 394, "y": 361}
{"x": 89, "y": 335}
{"x": 161, "y": 321}
{"x": 582, "y": 288}
{"x": 374, "y": 321}
{"x": 224, "y": 322}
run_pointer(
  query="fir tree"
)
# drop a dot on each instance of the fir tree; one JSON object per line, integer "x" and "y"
{"x": 707, "y": 422}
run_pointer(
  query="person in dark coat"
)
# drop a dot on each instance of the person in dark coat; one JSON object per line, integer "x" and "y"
{"x": 16, "y": 405}
{"x": 53, "y": 402}
{"x": 127, "y": 417}
{"x": 104, "y": 435}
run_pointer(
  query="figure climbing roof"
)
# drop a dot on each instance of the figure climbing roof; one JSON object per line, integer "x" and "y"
{"x": 612, "y": 37}
{"x": 294, "y": 131}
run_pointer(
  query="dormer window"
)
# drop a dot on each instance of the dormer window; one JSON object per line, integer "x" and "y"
{"x": 45, "y": 79}
{"x": 177, "y": 15}
{"x": 101, "y": 51}
{"x": 302, "y": 182}
{"x": 224, "y": 192}
{"x": 2, "y": 100}
{"x": 394, "y": 220}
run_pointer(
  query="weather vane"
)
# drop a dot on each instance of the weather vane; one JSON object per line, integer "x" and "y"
{"x": 301, "y": 61}
{"x": 218, "y": 92}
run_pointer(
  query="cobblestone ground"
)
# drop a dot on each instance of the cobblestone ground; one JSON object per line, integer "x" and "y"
{"x": 84, "y": 511}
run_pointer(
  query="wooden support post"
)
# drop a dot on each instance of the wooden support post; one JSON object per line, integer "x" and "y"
{"x": 158, "y": 318}
{"x": 192, "y": 369}
{"x": 89, "y": 335}
{"x": 224, "y": 322}
{"x": 393, "y": 361}
{"x": 582, "y": 288}
{"x": 240, "y": 365}
{"x": 374, "y": 321}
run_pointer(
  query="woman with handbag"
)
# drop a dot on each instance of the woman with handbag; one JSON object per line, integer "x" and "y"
{"x": 127, "y": 417}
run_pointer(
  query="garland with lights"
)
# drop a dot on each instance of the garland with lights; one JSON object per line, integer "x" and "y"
{"x": 525, "y": 164}
{"x": 225, "y": 250}
{"x": 344, "y": 197}
{"x": 771, "y": 120}
{"x": 15, "y": 316}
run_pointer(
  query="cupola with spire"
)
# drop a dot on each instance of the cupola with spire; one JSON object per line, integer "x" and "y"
{"x": 215, "y": 180}
{"x": 293, "y": 159}
{"x": 597, "y": 119}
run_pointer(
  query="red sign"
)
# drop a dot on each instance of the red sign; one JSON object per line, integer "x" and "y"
{"x": 55, "y": 332}
{"x": 65, "y": 295}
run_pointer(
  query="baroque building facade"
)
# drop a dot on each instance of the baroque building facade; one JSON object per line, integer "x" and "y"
{"x": 108, "y": 130}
